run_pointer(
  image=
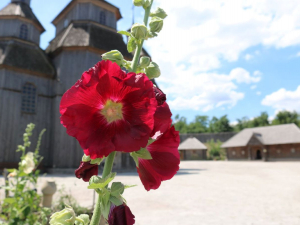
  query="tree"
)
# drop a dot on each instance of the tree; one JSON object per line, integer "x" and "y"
{"x": 199, "y": 125}
{"x": 285, "y": 117}
{"x": 219, "y": 125}
{"x": 261, "y": 121}
{"x": 180, "y": 124}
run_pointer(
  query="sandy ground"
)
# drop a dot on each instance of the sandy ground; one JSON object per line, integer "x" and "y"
{"x": 207, "y": 192}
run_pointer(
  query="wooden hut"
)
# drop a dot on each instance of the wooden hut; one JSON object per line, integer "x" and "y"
{"x": 192, "y": 149}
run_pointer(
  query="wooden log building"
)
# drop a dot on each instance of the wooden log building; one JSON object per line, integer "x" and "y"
{"x": 32, "y": 81}
{"x": 280, "y": 142}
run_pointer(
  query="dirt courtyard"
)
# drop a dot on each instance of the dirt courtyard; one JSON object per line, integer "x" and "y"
{"x": 208, "y": 192}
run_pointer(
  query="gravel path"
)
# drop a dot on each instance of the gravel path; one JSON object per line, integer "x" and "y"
{"x": 211, "y": 193}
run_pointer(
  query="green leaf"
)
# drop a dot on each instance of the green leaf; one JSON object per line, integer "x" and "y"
{"x": 101, "y": 182}
{"x": 25, "y": 210}
{"x": 116, "y": 201}
{"x": 105, "y": 208}
{"x": 131, "y": 45}
{"x": 10, "y": 170}
{"x": 117, "y": 188}
{"x": 143, "y": 153}
{"x": 124, "y": 32}
{"x": 9, "y": 200}
{"x": 129, "y": 186}
{"x": 135, "y": 158}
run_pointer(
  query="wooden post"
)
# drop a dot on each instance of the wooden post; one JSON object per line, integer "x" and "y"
{"x": 249, "y": 153}
{"x": 5, "y": 174}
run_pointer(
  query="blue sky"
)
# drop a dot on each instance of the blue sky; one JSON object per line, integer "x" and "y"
{"x": 217, "y": 57}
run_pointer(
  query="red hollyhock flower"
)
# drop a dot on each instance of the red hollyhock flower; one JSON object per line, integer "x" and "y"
{"x": 162, "y": 116}
{"x": 86, "y": 171}
{"x": 120, "y": 215}
{"x": 108, "y": 110}
{"x": 165, "y": 160}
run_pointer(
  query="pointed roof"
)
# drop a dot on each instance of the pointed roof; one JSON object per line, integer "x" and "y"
{"x": 101, "y": 3}
{"x": 192, "y": 143}
{"x": 22, "y": 10}
{"x": 14, "y": 55}
{"x": 271, "y": 135}
{"x": 92, "y": 35}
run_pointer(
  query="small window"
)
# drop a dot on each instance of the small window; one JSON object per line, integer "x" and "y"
{"x": 233, "y": 152}
{"x": 293, "y": 150}
{"x": 24, "y": 32}
{"x": 102, "y": 18}
{"x": 28, "y": 98}
{"x": 66, "y": 22}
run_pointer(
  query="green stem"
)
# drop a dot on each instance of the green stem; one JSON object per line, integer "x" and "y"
{"x": 137, "y": 54}
{"x": 107, "y": 170}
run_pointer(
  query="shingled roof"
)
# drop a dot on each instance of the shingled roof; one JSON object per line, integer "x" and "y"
{"x": 192, "y": 144}
{"x": 73, "y": 3}
{"x": 22, "y": 10}
{"x": 271, "y": 135}
{"x": 26, "y": 57}
{"x": 92, "y": 35}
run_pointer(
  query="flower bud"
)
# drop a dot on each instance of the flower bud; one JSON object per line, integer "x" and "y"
{"x": 114, "y": 56}
{"x": 64, "y": 217}
{"x": 27, "y": 163}
{"x": 94, "y": 180}
{"x": 86, "y": 170}
{"x": 146, "y": 4}
{"x": 144, "y": 61}
{"x": 139, "y": 31}
{"x": 138, "y": 2}
{"x": 159, "y": 12}
{"x": 153, "y": 71}
{"x": 156, "y": 24}
{"x": 83, "y": 219}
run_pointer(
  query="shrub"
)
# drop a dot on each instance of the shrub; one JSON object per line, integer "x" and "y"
{"x": 215, "y": 152}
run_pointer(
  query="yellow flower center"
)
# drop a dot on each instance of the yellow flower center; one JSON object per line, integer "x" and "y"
{"x": 112, "y": 111}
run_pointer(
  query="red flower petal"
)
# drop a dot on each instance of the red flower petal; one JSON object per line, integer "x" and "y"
{"x": 86, "y": 171}
{"x": 162, "y": 120}
{"x": 165, "y": 160}
{"x": 88, "y": 117}
{"x": 159, "y": 95}
{"x": 120, "y": 215}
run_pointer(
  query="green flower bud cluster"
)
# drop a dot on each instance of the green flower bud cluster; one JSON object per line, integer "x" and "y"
{"x": 114, "y": 56}
{"x": 153, "y": 71}
{"x": 157, "y": 22}
{"x": 139, "y": 31}
{"x": 144, "y": 62}
{"x": 68, "y": 217}
{"x": 144, "y": 3}
{"x": 65, "y": 217}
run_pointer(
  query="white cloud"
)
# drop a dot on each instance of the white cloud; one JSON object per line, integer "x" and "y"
{"x": 253, "y": 87}
{"x": 243, "y": 76}
{"x": 258, "y": 93}
{"x": 206, "y": 32}
{"x": 248, "y": 57}
{"x": 298, "y": 54}
{"x": 283, "y": 100}
{"x": 200, "y": 36}
{"x": 203, "y": 91}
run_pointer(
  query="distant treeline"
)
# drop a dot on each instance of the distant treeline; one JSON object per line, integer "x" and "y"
{"x": 203, "y": 124}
